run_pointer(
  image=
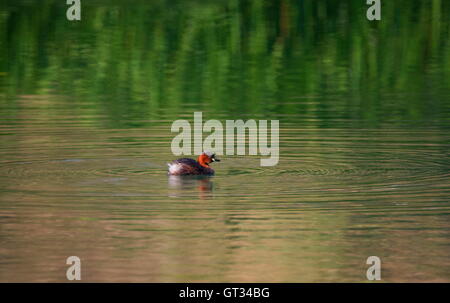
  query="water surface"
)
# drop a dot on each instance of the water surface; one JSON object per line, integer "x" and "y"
{"x": 86, "y": 110}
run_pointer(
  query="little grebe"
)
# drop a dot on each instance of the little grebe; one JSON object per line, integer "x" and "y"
{"x": 186, "y": 166}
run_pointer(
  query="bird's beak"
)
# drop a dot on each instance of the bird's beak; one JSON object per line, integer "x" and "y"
{"x": 215, "y": 159}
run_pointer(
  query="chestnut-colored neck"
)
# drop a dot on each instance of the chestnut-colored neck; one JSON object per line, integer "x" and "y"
{"x": 202, "y": 160}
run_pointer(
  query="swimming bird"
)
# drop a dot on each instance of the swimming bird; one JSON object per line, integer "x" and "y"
{"x": 187, "y": 166}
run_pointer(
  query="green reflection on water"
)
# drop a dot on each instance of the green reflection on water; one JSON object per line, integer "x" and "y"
{"x": 137, "y": 61}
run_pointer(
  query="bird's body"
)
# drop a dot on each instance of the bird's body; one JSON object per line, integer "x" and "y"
{"x": 187, "y": 166}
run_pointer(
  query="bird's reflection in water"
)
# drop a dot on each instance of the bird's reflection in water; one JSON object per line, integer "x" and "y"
{"x": 180, "y": 186}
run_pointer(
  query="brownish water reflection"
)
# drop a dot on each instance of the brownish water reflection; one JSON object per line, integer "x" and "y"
{"x": 336, "y": 197}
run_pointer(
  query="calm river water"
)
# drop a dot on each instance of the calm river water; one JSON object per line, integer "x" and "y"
{"x": 85, "y": 115}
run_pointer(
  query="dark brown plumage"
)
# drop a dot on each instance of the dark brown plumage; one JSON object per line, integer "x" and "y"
{"x": 187, "y": 166}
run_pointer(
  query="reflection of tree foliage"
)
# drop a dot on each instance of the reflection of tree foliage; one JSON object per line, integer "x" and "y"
{"x": 139, "y": 59}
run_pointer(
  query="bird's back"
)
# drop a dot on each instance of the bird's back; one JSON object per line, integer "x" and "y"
{"x": 187, "y": 166}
